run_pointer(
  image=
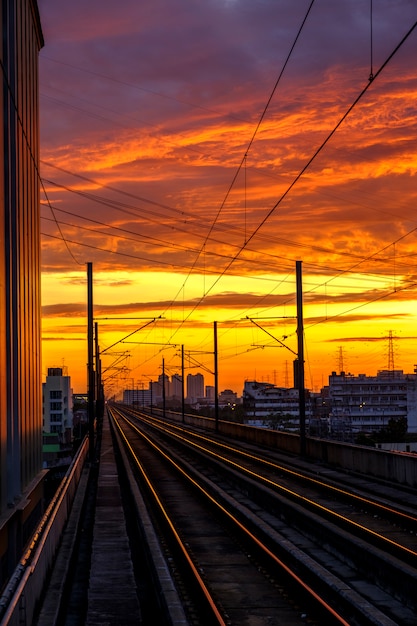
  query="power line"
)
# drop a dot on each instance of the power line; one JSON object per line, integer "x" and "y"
{"x": 29, "y": 147}
{"x": 154, "y": 241}
{"x": 310, "y": 161}
{"x": 306, "y": 166}
{"x": 243, "y": 160}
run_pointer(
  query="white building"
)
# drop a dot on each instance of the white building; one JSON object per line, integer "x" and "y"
{"x": 264, "y": 400}
{"x": 57, "y": 404}
{"x": 367, "y": 403}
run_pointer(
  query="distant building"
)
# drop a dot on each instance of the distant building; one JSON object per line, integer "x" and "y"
{"x": 176, "y": 386}
{"x": 80, "y": 399}
{"x": 156, "y": 391}
{"x": 153, "y": 394}
{"x": 210, "y": 392}
{"x": 227, "y": 397}
{"x": 140, "y": 397}
{"x": 366, "y": 403}
{"x": 195, "y": 388}
{"x": 279, "y": 405}
{"x": 57, "y": 404}
{"x": 165, "y": 385}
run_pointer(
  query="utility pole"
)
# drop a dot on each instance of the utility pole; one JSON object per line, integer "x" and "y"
{"x": 163, "y": 388}
{"x": 91, "y": 377}
{"x": 300, "y": 359}
{"x": 391, "y": 366}
{"x": 341, "y": 365}
{"x": 182, "y": 384}
{"x": 99, "y": 385}
{"x": 216, "y": 381}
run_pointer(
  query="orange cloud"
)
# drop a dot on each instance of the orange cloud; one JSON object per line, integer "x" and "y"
{"x": 153, "y": 165}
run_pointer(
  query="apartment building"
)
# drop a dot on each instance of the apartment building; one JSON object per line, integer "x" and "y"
{"x": 263, "y": 401}
{"x": 367, "y": 403}
{"x": 195, "y": 387}
{"x": 57, "y": 404}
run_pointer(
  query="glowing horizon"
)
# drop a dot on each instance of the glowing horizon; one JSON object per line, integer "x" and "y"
{"x": 153, "y": 170}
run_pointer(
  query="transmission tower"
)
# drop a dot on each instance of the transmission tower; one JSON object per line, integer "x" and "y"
{"x": 391, "y": 365}
{"x": 341, "y": 366}
{"x": 286, "y": 382}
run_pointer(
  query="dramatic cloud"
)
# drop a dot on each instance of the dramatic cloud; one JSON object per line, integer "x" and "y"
{"x": 172, "y": 163}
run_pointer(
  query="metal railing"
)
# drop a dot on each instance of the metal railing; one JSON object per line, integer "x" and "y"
{"x": 22, "y": 594}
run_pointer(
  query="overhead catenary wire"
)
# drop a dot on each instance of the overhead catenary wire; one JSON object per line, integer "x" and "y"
{"x": 157, "y": 242}
{"x": 258, "y": 125}
{"x": 258, "y": 235}
{"x": 307, "y": 164}
{"x": 29, "y": 147}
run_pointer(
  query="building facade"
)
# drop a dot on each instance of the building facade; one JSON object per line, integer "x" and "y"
{"x": 20, "y": 348}
{"x": 139, "y": 397}
{"x": 176, "y": 386}
{"x": 195, "y": 387}
{"x": 367, "y": 403}
{"x": 265, "y": 401}
{"x": 57, "y": 404}
{"x": 227, "y": 397}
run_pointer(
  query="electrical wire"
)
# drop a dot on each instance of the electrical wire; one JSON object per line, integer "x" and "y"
{"x": 256, "y": 231}
{"x": 243, "y": 160}
{"x": 32, "y": 156}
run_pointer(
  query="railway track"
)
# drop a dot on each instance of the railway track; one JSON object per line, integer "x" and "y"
{"x": 258, "y": 541}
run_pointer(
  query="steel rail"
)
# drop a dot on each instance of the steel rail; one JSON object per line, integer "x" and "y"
{"x": 295, "y": 578}
{"x": 206, "y": 593}
{"x": 293, "y": 494}
{"x": 400, "y": 515}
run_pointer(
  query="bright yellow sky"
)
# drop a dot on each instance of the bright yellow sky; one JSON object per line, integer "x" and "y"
{"x": 155, "y": 170}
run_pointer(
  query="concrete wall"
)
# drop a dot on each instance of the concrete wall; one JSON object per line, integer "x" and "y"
{"x": 389, "y": 465}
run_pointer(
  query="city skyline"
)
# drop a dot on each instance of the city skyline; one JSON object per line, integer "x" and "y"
{"x": 173, "y": 382}
{"x": 193, "y": 166}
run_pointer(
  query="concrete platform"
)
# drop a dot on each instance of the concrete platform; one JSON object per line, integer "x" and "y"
{"x": 112, "y": 596}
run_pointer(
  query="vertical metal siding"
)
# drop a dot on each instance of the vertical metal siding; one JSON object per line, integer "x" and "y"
{"x": 21, "y": 413}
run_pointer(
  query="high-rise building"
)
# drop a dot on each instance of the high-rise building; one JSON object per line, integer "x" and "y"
{"x": 57, "y": 404}
{"x": 195, "y": 387}
{"x": 165, "y": 384}
{"x": 20, "y": 362}
{"x": 176, "y": 386}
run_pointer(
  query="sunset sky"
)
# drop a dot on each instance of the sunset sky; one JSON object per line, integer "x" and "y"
{"x": 193, "y": 151}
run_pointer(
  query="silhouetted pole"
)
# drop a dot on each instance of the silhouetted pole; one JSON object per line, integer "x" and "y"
{"x": 216, "y": 381}
{"x": 163, "y": 388}
{"x": 300, "y": 365}
{"x": 99, "y": 385}
{"x": 182, "y": 384}
{"x": 91, "y": 377}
